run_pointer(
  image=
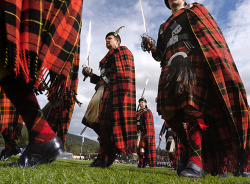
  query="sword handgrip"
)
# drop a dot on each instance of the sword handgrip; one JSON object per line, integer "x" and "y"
{"x": 85, "y": 77}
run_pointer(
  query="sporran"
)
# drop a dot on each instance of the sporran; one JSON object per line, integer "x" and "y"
{"x": 92, "y": 111}
{"x": 170, "y": 146}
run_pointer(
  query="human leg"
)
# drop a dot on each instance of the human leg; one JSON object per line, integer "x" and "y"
{"x": 175, "y": 120}
{"x": 40, "y": 133}
{"x": 11, "y": 147}
{"x": 194, "y": 122}
{"x": 106, "y": 153}
{"x": 141, "y": 157}
{"x": 242, "y": 164}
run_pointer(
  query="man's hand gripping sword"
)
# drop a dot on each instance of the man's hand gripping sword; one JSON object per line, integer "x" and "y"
{"x": 147, "y": 41}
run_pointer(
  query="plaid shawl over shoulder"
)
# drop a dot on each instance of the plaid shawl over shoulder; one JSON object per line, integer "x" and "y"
{"x": 150, "y": 136}
{"x": 122, "y": 88}
{"x": 59, "y": 117}
{"x": 223, "y": 70}
{"x": 41, "y": 35}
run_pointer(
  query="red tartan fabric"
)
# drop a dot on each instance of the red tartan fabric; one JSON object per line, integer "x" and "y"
{"x": 119, "y": 101}
{"x": 59, "y": 119}
{"x": 148, "y": 137}
{"x": 195, "y": 140}
{"x": 223, "y": 69}
{"x": 219, "y": 94}
{"x": 41, "y": 36}
{"x": 9, "y": 118}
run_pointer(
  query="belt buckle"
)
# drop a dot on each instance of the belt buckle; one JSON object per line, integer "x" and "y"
{"x": 105, "y": 79}
{"x": 177, "y": 30}
{"x": 102, "y": 71}
{"x": 173, "y": 40}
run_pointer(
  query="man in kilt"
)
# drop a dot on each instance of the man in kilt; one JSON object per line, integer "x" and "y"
{"x": 115, "y": 117}
{"x": 200, "y": 85}
{"x": 170, "y": 135}
{"x": 38, "y": 36}
{"x": 11, "y": 127}
{"x": 145, "y": 124}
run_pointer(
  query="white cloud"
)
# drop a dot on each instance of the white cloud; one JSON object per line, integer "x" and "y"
{"x": 236, "y": 34}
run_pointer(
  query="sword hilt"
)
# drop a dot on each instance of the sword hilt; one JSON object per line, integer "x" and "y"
{"x": 146, "y": 42}
{"x": 85, "y": 73}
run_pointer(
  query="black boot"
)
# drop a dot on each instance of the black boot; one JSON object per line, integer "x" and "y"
{"x": 183, "y": 163}
{"x": 224, "y": 175}
{"x": 246, "y": 174}
{"x": 36, "y": 154}
{"x": 7, "y": 153}
{"x": 193, "y": 170}
{"x": 97, "y": 163}
{"x": 237, "y": 172}
{"x": 110, "y": 160}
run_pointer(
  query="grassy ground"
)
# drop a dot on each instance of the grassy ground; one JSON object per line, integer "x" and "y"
{"x": 70, "y": 171}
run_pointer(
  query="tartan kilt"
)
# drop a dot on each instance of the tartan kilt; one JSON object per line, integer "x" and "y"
{"x": 106, "y": 113}
{"x": 199, "y": 98}
{"x": 107, "y": 116}
{"x": 144, "y": 141}
{"x": 9, "y": 118}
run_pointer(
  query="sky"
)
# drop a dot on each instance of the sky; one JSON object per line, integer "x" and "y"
{"x": 232, "y": 16}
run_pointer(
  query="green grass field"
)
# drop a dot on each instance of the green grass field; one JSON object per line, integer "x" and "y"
{"x": 71, "y": 171}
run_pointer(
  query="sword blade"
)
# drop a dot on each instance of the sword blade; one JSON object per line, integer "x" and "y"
{"x": 89, "y": 42}
{"x": 83, "y": 130}
{"x": 143, "y": 18}
{"x": 142, "y": 95}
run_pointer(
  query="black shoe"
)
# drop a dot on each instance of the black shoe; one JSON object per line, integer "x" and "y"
{"x": 245, "y": 174}
{"x": 92, "y": 164}
{"x": 97, "y": 163}
{"x": 173, "y": 169}
{"x": 36, "y": 154}
{"x": 224, "y": 175}
{"x": 193, "y": 170}
{"x": 181, "y": 167}
{"x": 7, "y": 153}
{"x": 183, "y": 163}
{"x": 110, "y": 160}
{"x": 237, "y": 173}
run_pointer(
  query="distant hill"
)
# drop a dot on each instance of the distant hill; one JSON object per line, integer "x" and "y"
{"x": 77, "y": 139}
{"x": 74, "y": 142}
